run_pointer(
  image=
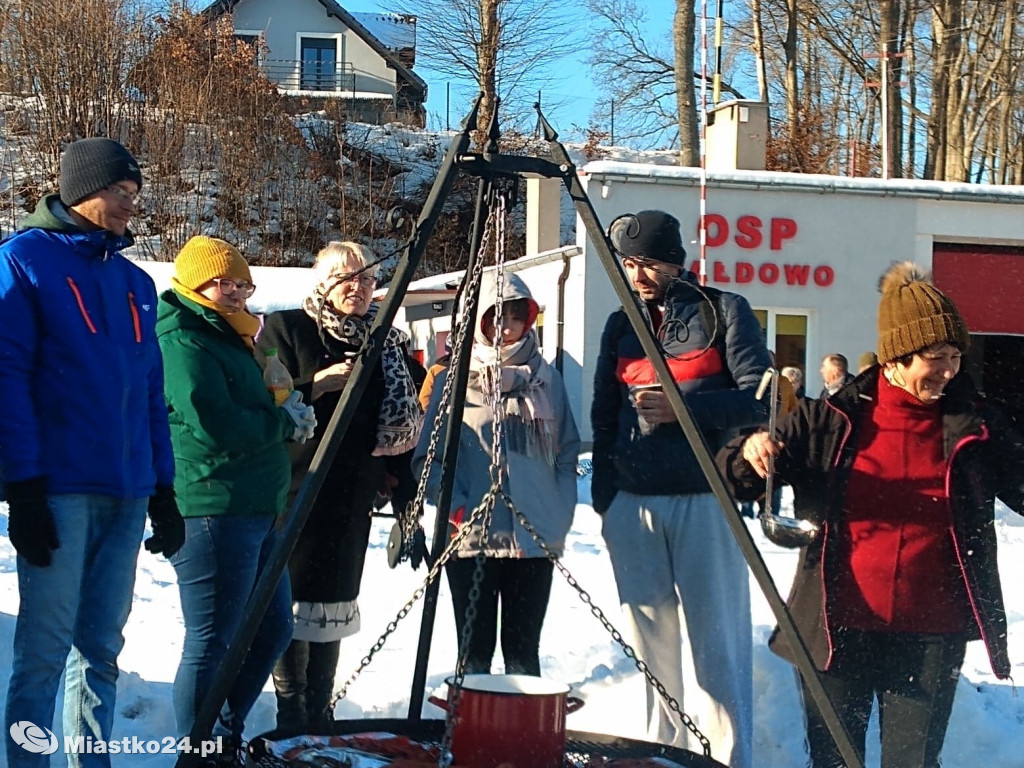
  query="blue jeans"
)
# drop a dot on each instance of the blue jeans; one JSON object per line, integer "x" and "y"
{"x": 70, "y": 619}
{"x": 218, "y": 567}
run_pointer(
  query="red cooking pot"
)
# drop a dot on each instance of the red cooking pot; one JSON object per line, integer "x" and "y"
{"x": 516, "y": 721}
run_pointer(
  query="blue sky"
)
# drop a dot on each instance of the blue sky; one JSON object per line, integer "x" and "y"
{"x": 576, "y": 93}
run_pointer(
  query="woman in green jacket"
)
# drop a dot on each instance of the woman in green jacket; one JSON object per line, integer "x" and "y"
{"x": 232, "y": 476}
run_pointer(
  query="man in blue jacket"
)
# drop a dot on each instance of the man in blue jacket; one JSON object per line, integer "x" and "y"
{"x": 681, "y": 577}
{"x": 84, "y": 447}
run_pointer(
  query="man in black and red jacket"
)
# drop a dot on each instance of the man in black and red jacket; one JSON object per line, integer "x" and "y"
{"x": 669, "y": 542}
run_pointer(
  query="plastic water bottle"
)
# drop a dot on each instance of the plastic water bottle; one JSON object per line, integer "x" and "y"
{"x": 277, "y": 378}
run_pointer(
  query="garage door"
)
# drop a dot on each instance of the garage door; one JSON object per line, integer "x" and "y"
{"x": 985, "y": 282}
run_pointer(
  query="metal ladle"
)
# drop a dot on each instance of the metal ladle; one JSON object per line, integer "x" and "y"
{"x": 788, "y": 532}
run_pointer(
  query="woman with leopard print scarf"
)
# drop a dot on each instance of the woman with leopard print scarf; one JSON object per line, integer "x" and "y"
{"x": 319, "y": 343}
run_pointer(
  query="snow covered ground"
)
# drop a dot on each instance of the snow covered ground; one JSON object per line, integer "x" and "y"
{"x": 988, "y": 716}
{"x": 986, "y": 727}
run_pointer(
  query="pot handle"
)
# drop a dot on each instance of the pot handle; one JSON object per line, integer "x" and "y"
{"x": 573, "y": 704}
{"x": 438, "y": 702}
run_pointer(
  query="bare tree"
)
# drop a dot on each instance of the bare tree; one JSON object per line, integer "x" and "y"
{"x": 639, "y": 73}
{"x": 683, "y": 29}
{"x": 75, "y": 57}
{"x": 757, "y": 31}
{"x": 792, "y": 55}
{"x": 509, "y": 48}
{"x": 890, "y": 67}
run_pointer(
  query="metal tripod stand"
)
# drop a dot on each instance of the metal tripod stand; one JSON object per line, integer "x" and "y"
{"x": 490, "y": 166}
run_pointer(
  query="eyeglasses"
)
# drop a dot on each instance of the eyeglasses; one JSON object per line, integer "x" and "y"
{"x": 123, "y": 195}
{"x": 229, "y": 285}
{"x": 365, "y": 280}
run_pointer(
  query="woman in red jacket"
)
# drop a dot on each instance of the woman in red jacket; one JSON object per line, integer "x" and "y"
{"x": 901, "y": 469}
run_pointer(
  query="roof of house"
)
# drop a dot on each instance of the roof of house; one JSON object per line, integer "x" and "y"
{"x": 219, "y": 7}
{"x": 395, "y": 31}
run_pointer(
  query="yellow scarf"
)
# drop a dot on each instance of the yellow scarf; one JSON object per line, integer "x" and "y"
{"x": 246, "y": 325}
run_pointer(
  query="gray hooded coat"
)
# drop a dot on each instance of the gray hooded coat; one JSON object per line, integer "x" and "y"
{"x": 538, "y": 475}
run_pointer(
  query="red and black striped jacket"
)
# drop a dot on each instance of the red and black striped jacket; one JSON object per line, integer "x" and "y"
{"x": 717, "y": 373}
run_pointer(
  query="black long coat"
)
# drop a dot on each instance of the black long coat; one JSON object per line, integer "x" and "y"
{"x": 327, "y": 564}
{"x": 985, "y": 459}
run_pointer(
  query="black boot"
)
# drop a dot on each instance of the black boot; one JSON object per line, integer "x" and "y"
{"x": 290, "y": 686}
{"x": 320, "y": 672}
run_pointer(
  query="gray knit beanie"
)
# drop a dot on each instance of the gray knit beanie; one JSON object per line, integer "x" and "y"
{"x": 89, "y": 165}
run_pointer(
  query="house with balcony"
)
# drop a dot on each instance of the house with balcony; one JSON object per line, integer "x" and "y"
{"x": 315, "y": 51}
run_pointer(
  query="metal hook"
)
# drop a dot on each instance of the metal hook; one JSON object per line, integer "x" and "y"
{"x": 623, "y": 228}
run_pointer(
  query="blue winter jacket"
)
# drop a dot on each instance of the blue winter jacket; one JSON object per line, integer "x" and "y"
{"x": 81, "y": 379}
{"x": 718, "y": 380}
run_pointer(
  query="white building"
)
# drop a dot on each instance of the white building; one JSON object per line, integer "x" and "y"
{"x": 806, "y": 251}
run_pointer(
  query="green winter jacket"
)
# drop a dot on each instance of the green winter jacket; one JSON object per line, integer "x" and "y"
{"x": 228, "y": 436}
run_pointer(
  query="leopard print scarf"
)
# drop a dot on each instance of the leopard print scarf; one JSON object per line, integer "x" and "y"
{"x": 401, "y": 419}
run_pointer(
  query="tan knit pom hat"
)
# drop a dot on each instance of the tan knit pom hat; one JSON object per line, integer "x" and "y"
{"x": 914, "y": 314}
{"x": 203, "y": 258}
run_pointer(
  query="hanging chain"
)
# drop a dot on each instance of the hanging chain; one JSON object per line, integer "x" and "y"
{"x": 497, "y": 405}
{"x": 481, "y": 513}
{"x": 498, "y": 216}
{"x": 411, "y": 514}
{"x": 432, "y": 574}
{"x": 615, "y": 634}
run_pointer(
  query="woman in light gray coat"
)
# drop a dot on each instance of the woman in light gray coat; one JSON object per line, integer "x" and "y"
{"x": 540, "y": 449}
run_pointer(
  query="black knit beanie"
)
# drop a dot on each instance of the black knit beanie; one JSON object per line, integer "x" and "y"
{"x": 649, "y": 235}
{"x": 89, "y": 165}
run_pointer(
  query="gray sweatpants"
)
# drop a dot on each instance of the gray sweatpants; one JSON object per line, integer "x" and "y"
{"x": 685, "y": 594}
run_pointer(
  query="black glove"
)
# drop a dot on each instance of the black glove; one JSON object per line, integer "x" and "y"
{"x": 418, "y": 552}
{"x": 165, "y": 519}
{"x": 30, "y": 523}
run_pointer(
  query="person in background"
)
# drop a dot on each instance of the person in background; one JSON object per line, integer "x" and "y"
{"x": 788, "y": 399}
{"x": 835, "y": 373}
{"x": 439, "y": 365}
{"x": 318, "y": 344}
{"x": 681, "y": 577}
{"x": 796, "y": 378}
{"x": 232, "y": 480}
{"x": 865, "y": 361}
{"x": 901, "y": 469}
{"x": 541, "y": 446}
{"x": 84, "y": 445}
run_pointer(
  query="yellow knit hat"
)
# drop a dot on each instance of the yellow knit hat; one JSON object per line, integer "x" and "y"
{"x": 914, "y": 314}
{"x": 203, "y": 258}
